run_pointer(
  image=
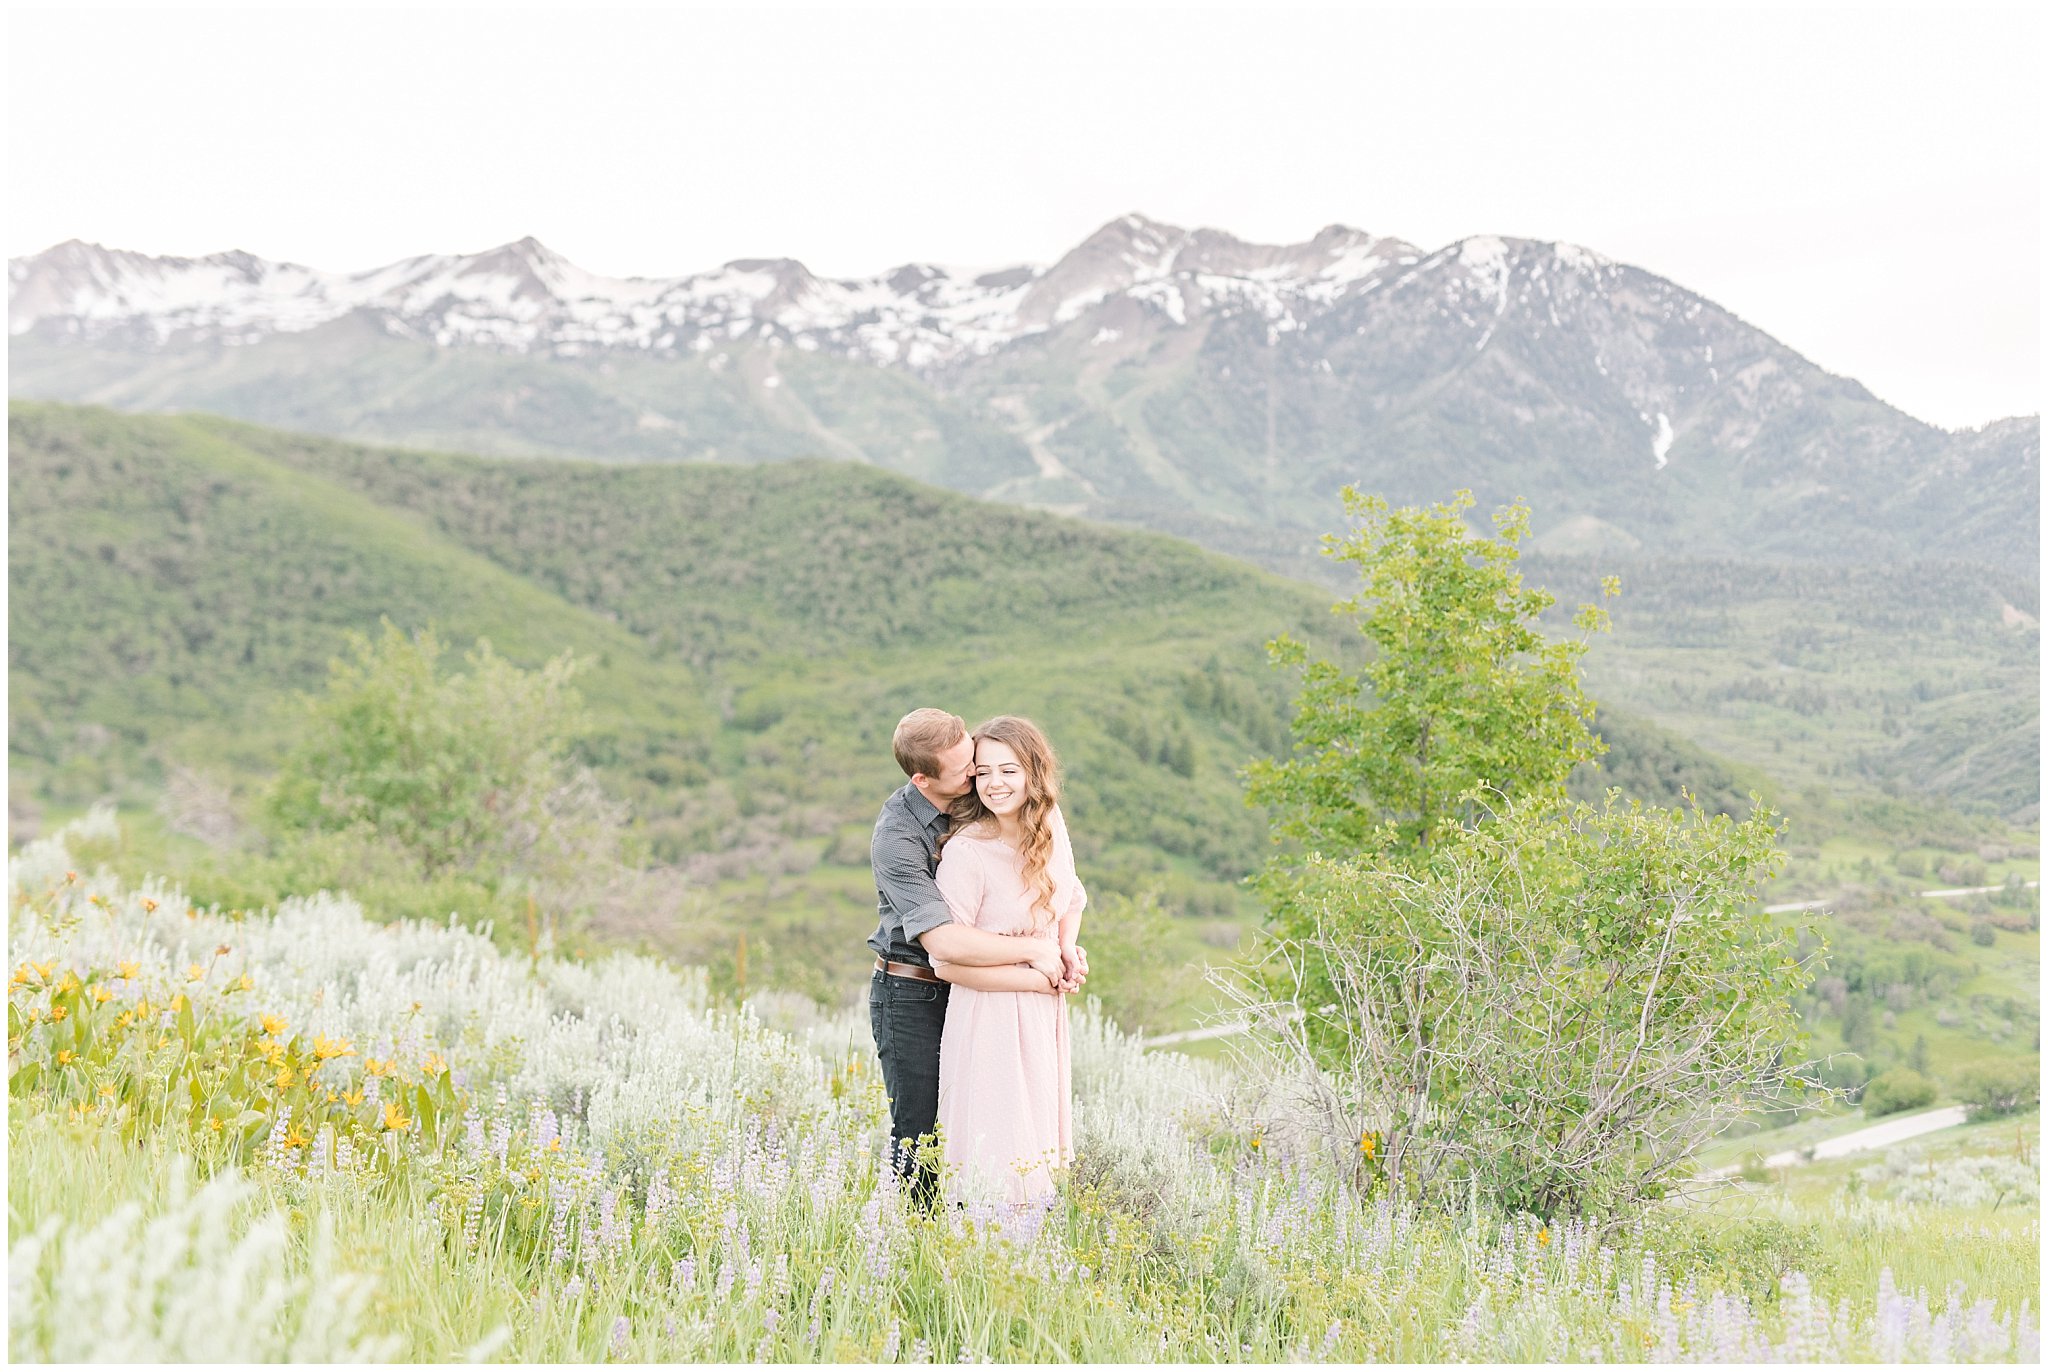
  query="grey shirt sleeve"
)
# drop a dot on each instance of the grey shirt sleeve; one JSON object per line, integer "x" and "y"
{"x": 903, "y": 874}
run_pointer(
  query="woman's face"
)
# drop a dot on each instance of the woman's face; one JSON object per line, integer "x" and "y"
{"x": 1000, "y": 777}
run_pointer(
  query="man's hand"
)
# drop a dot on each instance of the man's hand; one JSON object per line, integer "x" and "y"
{"x": 1048, "y": 963}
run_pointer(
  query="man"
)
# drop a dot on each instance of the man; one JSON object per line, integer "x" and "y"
{"x": 906, "y": 999}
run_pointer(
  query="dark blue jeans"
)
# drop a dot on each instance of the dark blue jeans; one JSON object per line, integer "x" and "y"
{"x": 908, "y": 1017}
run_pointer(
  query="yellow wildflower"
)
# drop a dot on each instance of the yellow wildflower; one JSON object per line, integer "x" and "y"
{"x": 325, "y": 1048}
{"x": 352, "y": 1098}
{"x": 178, "y": 1003}
{"x": 148, "y": 906}
{"x": 195, "y": 972}
{"x": 273, "y": 1024}
{"x": 554, "y": 1145}
{"x": 214, "y": 1124}
{"x": 43, "y": 969}
{"x": 101, "y": 994}
{"x": 108, "y": 1092}
{"x": 127, "y": 1018}
{"x": 294, "y": 1139}
{"x": 20, "y": 977}
{"x": 57, "y": 1012}
{"x": 128, "y": 971}
{"x": 377, "y": 1067}
{"x": 284, "y": 1076}
{"x": 1368, "y": 1145}
{"x": 434, "y": 1065}
{"x": 69, "y": 983}
{"x": 143, "y": 1007}
{"x": 394, "y": 1118}
{"x": 64, "y": 1057}
{"x": 243, "y": 983}
{"x": 1543, "y": 1236}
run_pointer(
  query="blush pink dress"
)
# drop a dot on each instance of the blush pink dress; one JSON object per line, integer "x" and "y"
{"x": 1005, "y": 1080}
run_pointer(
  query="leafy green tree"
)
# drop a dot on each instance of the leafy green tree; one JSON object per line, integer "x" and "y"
{"x": 1133, "y": 959}
{"x": 1482, "y": 982}
{"x": 1462, "y": 692}
{"x": 2002, "y": 1086}
{"x": 460, "y": 777}
{"x": 1901, "y": 1088}
{"x": 1463, "y": 696}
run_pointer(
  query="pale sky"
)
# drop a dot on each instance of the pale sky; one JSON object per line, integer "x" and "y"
{"x": 1862, "y": 184}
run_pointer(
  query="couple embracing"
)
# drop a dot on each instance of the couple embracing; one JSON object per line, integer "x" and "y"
{"x": 975, "y": 954}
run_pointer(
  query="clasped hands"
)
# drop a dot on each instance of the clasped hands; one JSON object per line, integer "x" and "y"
{"x": 1064, "y": 966}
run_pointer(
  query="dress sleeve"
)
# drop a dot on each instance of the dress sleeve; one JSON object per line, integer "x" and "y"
{"x": 1068, "y": 893}
{"x": 960, "y": 882}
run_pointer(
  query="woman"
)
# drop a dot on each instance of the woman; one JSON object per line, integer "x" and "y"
{"x": 1005, "y": 1101}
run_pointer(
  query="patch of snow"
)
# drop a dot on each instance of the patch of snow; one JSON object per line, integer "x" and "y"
{"x": 1660, "y": 446}
{"x": 1580, "y": 259}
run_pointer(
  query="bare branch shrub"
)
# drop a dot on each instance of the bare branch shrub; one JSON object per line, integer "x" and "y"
{"x": 1555, "y": 1010}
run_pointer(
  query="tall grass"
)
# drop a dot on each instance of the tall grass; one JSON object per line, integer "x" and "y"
{"x": 404, "y": 1143}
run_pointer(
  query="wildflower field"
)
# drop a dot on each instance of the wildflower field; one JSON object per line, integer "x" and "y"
{"x": 303, "y": 1134}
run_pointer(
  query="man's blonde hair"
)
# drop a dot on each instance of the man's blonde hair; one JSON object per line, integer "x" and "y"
{"x": 921, "y": 736}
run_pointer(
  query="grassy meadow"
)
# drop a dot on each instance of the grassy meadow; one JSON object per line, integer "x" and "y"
{"x": 397, "y": 1141}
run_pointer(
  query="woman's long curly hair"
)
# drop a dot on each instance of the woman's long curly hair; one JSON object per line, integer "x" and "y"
{"x": 1041, "y": 794}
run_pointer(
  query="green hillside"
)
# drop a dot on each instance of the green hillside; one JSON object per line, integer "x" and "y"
{"x": 753, "y": 633}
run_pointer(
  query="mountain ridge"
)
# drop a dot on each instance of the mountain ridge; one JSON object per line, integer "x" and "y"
{"x": 1183, "y": 380}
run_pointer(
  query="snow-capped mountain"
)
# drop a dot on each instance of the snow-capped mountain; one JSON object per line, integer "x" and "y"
{"x": 1180, "y": 379}
{"x": 525, "y": 297}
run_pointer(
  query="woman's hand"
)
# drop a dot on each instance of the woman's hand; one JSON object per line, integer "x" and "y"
{"x": 1073, "y": 966}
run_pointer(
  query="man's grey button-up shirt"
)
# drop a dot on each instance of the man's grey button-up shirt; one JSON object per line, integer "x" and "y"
{"x": 905, "y": 855}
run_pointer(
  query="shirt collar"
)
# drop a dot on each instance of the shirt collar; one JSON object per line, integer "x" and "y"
{"x": 921, "y": 809}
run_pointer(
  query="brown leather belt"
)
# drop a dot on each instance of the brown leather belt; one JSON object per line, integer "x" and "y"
{"x": 905, "y": 969}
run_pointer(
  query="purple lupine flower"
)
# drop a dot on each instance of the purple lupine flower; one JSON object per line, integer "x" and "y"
{"x": 622, "y": 1330}
{"x": 574, "y": 1290}
{"x": 559, "y": 1232}
{"x": 684, "y": 1273}
{"x": 894, "y": 1341}
{"x": 920, "y": 1351}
